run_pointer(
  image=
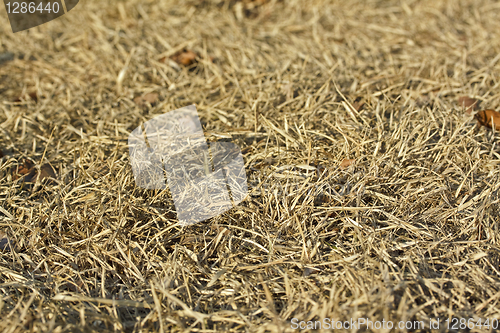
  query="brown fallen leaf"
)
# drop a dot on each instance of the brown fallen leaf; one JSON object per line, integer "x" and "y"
{"x": 346, "y": 163}
{"x": 26, "y": 170}
{"x": 138, "y": 100}
{"x": 30, "y": 174}
{"x": 185, "y": 57}
{"x": 485, "y": 117}
{"x": 470, "y": 104}
{"x": 47, "y": 172}
{"x": 150, "y": 98}
{"x": 358, "y": 105}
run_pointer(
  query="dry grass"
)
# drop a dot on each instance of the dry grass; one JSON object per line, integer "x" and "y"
{"x": 406, "y": 231}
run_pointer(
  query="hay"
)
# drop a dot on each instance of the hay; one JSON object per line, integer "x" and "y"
{"x": 373, "y": 193}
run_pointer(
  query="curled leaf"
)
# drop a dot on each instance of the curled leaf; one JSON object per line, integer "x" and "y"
{"x": 488, "y": 118}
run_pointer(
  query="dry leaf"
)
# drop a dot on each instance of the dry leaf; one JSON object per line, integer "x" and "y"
{"x": 30, "y": 174}
{"x": 346, "y": 163}
{"x": 150, "y": 98}
{"x": 358, "y": 105}
{"x": 470, "y": 104}
{"x": 46, "y": 172}
{"x": 26, "y": 170}
{"x": 185, "y": 57}
{"x": 485, "y": 117}
{"x": 139, "y": 101}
